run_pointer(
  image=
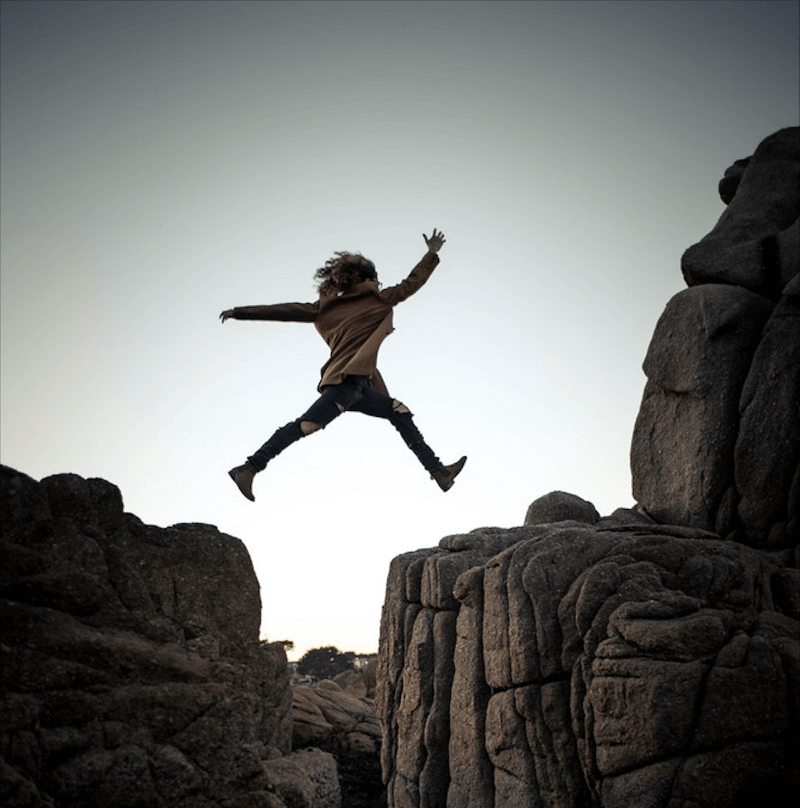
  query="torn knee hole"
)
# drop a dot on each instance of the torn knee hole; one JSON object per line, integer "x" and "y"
{"x": 340, "y": 407}
{"x": 309, "y": 426}
{"x": 399, "y": 407}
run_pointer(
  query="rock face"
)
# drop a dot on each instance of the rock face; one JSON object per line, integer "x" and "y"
{"x": 651, "y": 658}
{"x": 132, "y": 673}
{"x": 716, "y": 444}
{"x": 755, "y": 242}
{"x": 620, "y": 664}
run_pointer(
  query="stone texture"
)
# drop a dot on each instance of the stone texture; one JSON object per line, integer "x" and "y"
{"x": 592, "y": 665}
{"x": 132, "y": 674}
{"x": 338, "y": 716}
{"x": 559, "y": 506}
{"x": 754, "y": 242}
{"x": 682, "y": 451}
{"x": 306, "y": 778}
{"x": 767, "y": 452}
{"x": 649, "y": 658}
{"x": 716, "y": 444}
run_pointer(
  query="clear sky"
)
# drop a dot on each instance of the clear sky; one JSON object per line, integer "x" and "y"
{"x": 163, "y": 161}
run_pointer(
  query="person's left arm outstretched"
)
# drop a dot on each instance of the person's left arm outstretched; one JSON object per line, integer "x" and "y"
{"x": 284, "y": 312}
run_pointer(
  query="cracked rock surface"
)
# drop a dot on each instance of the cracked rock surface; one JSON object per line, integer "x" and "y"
{"x": 131, "y": 672}
{"x": 588, "y": 665}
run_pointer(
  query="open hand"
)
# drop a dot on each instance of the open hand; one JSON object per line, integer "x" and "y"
{"x": 435, "y": 241}
{"x": 226, "y": 315}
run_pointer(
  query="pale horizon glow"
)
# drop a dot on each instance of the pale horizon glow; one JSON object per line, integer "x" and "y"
{"x": 164, "y": 161}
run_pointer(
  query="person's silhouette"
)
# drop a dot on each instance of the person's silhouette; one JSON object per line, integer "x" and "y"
{"x": 353, "y": 315}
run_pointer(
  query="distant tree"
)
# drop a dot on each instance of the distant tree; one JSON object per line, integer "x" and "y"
{"x": 325, "y": 663}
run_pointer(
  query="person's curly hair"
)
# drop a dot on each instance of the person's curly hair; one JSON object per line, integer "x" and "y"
{"x": 352, "y": 268}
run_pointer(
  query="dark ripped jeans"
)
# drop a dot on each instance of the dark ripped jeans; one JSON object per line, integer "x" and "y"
{"x": 353, "y": 394}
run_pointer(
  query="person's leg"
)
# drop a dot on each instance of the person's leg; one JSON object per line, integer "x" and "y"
{"x": 333, "y": 401}
{"x": 379, "y": 405}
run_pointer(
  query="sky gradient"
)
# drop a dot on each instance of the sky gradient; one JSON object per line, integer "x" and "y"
{"x": 163, "y": 161}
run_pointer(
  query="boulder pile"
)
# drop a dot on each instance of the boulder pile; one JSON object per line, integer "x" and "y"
{"x": 338, "y": 716}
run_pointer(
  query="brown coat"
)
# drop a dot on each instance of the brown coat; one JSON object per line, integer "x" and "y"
{"x": 353, "y": 324}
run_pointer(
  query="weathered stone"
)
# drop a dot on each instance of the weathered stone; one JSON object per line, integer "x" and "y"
{"x": 439, "y": 574}
{"x": 359, "y": 683}
{"x": 399, "y": 615}
{"x": 729, "y": 184}
{"x": 767, "y": 451}
{"x": 682, "y": 451}
{"x": 747, "y": 773}
{"x": 305, "y": 779}
{"x": 434, "y": 777}
{"x": 469, "y": 762}
{"x": 717, "y": 441}
{"x": 742, "y": 249}
{"x": 328, "y": 716}
{"x": 640, "y": 710}
{"x": 645, "y": 787}
{"x": 414, "y": 706}
{"x": 587, "y": 663}
{"x": 338, "y": 716}
{"x": 123, "y": 683}
{"x": 507, "y": 745}
{"x": 558, "y": 506}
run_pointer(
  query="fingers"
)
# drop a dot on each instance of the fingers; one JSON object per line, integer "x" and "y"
{"x": 435, "y": 242}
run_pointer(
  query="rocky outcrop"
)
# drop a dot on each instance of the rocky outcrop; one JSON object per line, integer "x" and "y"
{"x": 339, "y": 717}
{"x": 132, "y": 674}
{"x": 650, "y": 658}
{"x": 716, "y": 444}
{"x": 617, "y": 664}
{"x": 755, "y": 243}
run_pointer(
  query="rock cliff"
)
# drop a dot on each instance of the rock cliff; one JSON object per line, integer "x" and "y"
{"x": 650, "y": 658}
{"x": 717, "y": 441}
{"x": 132, "y": 674}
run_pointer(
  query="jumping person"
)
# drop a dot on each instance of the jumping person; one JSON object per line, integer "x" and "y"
{"x": 353, "y": 315}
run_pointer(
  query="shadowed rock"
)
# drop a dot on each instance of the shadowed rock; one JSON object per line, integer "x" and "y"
{"x": 755, "y": 242}
{"x": 591, "y": 666}
{"x": 716, "y": 443}
{"x": 339, "y": 717}
{"x": 132, "y": 673}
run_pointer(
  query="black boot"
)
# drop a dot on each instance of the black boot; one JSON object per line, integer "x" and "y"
{"x": 243, "y": 477}
{"x": 446, "y": 475}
